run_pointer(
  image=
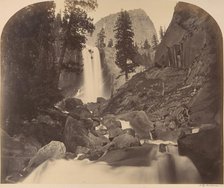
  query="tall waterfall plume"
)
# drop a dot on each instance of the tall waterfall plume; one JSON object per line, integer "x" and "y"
{"x": 92, "y": 75}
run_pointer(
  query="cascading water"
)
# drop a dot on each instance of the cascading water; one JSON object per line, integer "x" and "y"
{"x": 92, "y": 75}
{"x": 161, "y": 167}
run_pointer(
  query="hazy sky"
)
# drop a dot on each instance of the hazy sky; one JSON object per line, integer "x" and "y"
{"x": 160, "y": 11}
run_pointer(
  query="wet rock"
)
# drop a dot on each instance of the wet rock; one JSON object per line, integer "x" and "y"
{"x": 205, "y": 150}
{"x": 167, "y": 135}
{"x": 53, "y": 150}
{"x": 162, "y": 148}
{"x": 124, "y": 141}
{"x": 70, "y": 155}
{"x": 75, "y": 134}
{"x": 82, "y": 150}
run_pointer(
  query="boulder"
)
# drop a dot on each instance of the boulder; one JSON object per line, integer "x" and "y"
{"x": 124, "y": 141}
{"x": 139, "y": 121}
{"x": 97, "y": 141}
{"x": 72, "y": 103}
{"x": 129, "y": 131}
{"x": 46, "y": 119}
{"x": 205, "y": 150}
{"x": 80, "y": 112}
{"x": 70, "y": 155}
{"x": 82, "y": 150}
{"x": 53, "y": 150}
{"x": 167, "y": 134}
{"x": 113, "y": 132}
{"x": 75, "y": 134}
{"x": 100, "y": 100}
{"x": 109, "y": 121}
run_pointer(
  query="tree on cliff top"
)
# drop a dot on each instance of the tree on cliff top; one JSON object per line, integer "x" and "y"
{"x": 125, "y": 50}
{"x": 154, "y": 42}
{"x": 100, "y": 39}
{"x": 146, "y": 45}
{"x": 75, "y": 25}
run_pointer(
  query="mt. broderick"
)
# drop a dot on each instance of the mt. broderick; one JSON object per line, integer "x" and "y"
{"x": 142, "y": 25}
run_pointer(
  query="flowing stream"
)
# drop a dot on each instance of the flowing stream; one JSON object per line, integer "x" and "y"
{"x": 92, "y": 75}
{"x": 161, "y": 167}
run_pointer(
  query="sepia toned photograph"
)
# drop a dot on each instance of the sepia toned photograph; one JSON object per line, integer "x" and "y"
{"x": 111, "y": 92}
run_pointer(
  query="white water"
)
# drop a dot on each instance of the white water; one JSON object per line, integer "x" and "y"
{"x": 163, "y": 168}
{"x": 125, "y": 124}
{"x": 92, "y": 74}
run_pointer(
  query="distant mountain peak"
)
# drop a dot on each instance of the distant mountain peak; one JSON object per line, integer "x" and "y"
{"x": 142, "y": 25}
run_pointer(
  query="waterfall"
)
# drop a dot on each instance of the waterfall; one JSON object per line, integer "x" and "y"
{"x": 92, "y": 75}
{"x": 159, "y": 168}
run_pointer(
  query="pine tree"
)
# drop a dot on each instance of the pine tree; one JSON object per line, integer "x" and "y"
{"x": 125, "y": 50}
{"x": 161, "y": 33}
{"x": 100, "y": 39}
{"x": 154, "y": 42}
{"x": 75, "y": 25}
{"x": 146, "y": 44}
{"x": 110, "y": 43}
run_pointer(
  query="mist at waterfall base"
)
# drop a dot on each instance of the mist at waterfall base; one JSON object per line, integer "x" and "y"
{"x": 92, "y": 76}
{"x": 158, "y": 167}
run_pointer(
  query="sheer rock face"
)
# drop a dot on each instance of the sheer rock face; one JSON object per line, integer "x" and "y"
{"x": 141, "y": 23}
{"x": 193, "y": 41}
{"x": 189, "y": 61}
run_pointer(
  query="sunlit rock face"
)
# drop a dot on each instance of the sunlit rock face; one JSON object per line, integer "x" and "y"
{"x": 142, "y": 25}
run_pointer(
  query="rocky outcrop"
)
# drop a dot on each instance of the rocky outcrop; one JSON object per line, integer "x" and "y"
{"x": 205, "y": 150}
{"x": 142, "y": 26}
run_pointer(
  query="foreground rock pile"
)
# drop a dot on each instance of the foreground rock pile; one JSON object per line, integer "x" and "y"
{"x": 69, "y": 131}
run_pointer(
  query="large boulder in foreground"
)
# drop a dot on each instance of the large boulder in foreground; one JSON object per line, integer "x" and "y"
{"x": 205, "y": 150}
{"x": 75, "y": 134}
{"x": 53, "y": 150}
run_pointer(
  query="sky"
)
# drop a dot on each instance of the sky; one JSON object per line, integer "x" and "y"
{"x": 160, "y": 11}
